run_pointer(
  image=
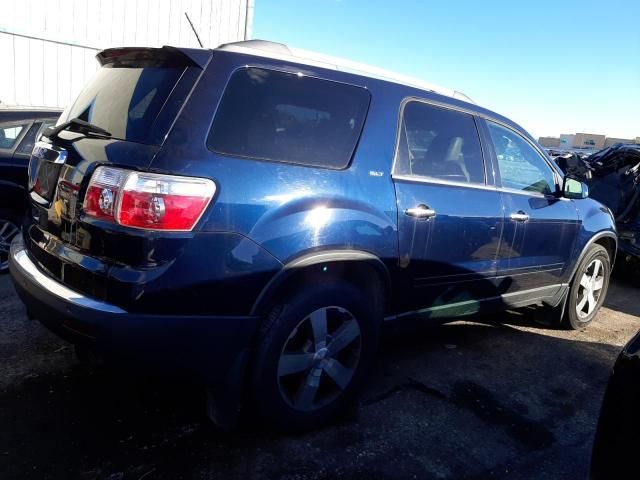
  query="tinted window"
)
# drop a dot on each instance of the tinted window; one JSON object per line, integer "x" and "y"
{"x": 32, "y": 136}
{"x": 9, "y": 135}
{"x": 125, "y": 101}
{"x": 521, "y": 166}
{"x": 439, "y": 143}
{"x": 289, "y": 118}
{"x": 26, "y": 145}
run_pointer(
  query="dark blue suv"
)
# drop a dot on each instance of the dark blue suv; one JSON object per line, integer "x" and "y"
{"x": 254, "y": 213}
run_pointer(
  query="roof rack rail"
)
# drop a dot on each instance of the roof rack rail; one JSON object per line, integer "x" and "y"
{"x": 281, "y": 51}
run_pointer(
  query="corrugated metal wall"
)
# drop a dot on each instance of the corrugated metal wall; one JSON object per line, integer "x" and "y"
{"x": 47, "y": 46}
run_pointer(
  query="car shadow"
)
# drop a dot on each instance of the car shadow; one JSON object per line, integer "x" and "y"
{"x": 470, "y": 399}
{"x": 621, "y": 291}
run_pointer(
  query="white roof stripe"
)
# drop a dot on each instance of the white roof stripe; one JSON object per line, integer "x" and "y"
{"x": 280, "y": 51}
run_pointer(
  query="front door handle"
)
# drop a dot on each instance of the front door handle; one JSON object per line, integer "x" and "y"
{"x": 421, "y": 211}
{"x": 519, "y": 216}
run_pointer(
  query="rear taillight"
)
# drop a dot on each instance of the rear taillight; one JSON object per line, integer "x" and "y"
{"x": 147, "y": 200}
{"x": 99, "y": 200}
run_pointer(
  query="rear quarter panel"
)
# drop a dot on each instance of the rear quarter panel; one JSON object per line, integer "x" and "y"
{"x": 291, "y": 210}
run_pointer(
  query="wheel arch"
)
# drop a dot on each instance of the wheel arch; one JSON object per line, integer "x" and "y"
{"x": 355, "y": 266}
{"x": 607, "y": 239}
{"x": 611, "y": 244}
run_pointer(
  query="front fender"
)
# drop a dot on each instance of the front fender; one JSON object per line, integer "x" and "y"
{"x": 597, "y": 223}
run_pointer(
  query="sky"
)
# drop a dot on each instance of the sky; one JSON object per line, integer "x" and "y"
{"x": 553, "y": 66}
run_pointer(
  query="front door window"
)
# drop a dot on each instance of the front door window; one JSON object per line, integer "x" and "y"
{"x": 521, "y": 166}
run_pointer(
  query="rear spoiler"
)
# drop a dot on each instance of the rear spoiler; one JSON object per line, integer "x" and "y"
{"x": 154, "y": 57}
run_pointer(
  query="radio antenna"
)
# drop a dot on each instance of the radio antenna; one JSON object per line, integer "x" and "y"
{"x": 194, "y": 30}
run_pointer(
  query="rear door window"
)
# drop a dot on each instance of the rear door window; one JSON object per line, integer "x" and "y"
{"x": 439, "y": 143}
{"x": 291, "y": 118}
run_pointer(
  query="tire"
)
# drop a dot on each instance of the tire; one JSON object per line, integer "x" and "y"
{"x": 9, "y": 227}
{"x": 304, "y": 392}
{"x": 592, "y": 272}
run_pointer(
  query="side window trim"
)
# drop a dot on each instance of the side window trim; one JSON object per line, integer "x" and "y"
{"x": 423, "y": 179}
{"x": 494, "y": 158}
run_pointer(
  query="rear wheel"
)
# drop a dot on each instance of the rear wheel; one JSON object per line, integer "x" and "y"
{"x": 313, "y": 353}
{"x": 9, "y": 228}
{"x": 588, "y": 288}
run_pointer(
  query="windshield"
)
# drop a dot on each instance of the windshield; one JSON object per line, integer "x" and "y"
{"x": 124, "y": 101}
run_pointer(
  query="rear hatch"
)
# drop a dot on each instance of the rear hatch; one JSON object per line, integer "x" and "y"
{"x": 130, "y": 105}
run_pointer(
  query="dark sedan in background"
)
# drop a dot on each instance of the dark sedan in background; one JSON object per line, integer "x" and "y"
{"x": 19, "y": 129}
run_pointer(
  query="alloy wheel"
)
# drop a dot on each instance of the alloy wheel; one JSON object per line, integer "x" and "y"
{"x": 590, "y": 288}
{"x": 319, "y": 358}
{"x": 8, "y": 230}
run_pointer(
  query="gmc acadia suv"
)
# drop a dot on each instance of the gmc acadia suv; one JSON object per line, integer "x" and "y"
{"x": 253, "y": 214}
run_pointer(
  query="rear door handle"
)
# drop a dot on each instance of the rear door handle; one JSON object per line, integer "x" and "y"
{"x": 421, "y": 211}
{"x": 519, "y": 216}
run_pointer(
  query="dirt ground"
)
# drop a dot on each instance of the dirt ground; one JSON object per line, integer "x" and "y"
{"x": 497, "y": 397}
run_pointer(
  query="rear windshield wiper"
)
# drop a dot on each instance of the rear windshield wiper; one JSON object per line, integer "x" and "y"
{"x": 76, "y": 125}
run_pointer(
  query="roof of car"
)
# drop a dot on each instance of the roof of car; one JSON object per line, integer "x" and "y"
{"x": 17, "y": 114}
{"x": 281, "y": 51}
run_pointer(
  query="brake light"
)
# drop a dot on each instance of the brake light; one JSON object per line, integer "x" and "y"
{"x": 99, "y": 200}
{"x": 147, "y": 200}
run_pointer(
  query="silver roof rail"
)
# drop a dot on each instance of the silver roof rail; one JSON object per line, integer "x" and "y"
{"x": 280, "y": 51}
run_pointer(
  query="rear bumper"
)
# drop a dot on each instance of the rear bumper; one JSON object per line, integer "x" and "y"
{"x": 212, "y": 348}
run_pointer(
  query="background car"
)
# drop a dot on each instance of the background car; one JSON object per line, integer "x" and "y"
{"x": 616, "y": 441}
{"x": 613, "y": 177}
{"x": 19, "y": 130}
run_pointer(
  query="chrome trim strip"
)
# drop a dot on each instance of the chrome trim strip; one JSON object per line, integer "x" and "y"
{"x": 505, "y": 296}
{"x": 548, "y": 267}
{"x": 479, "y": 186}
{"x": 528, "y": 193}
{"x": 425, "y": 282}
{"x": 29, "y": 269}
{"x": 437, "y": 181}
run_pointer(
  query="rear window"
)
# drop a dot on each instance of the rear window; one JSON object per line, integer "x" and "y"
{"x": 290, "y": 118}
{"x": 9, "y": 135}
{"x": 125, "y": 101}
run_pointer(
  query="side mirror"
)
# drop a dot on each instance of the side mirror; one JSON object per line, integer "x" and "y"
{"x": 574, "y": 189}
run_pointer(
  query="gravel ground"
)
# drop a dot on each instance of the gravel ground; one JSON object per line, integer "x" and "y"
{"x": 497, "y": 397}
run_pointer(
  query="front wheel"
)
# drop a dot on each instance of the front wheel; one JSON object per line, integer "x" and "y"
{"x": 313, "y": 353}
{"x": 588, "y": 288}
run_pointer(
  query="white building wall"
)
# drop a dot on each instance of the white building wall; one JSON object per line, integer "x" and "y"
{"x": 47, "y": 47}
